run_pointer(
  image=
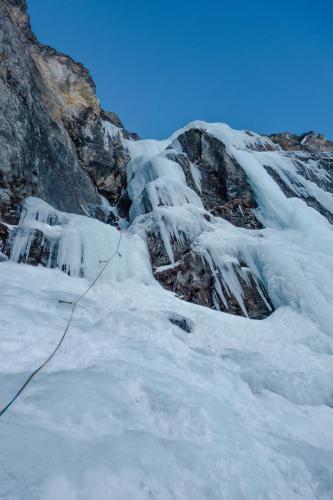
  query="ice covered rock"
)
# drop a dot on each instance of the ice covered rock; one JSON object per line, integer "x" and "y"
{"x": 168, "y": 191}
{"x": 226, "y": 170}
{"x": 308, "y": 176}
{"x": 77, "y": 245}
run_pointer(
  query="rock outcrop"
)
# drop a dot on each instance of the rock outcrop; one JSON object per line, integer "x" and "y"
{"x": 54, "y": 136}
{"x": 309, "y": 142}
{"x": 224, "y": 188}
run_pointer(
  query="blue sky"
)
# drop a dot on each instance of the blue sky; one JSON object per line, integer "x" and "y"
{"x": 260, "y": 65}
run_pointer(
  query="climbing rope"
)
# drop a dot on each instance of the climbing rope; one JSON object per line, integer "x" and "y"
{"x": 74, "y": 306}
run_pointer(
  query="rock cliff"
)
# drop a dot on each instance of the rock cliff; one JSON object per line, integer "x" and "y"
{"x": 53, "y": 137}
{"x": 57, "y": 144}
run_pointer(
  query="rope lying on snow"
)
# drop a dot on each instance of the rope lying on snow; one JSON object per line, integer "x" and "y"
{"x": 74, "y": 306}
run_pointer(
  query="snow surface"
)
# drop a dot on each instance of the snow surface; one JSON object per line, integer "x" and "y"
{"x": 132, "y": 406}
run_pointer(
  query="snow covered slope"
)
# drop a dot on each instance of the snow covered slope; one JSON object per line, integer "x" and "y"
{"x": 156, "y": 397}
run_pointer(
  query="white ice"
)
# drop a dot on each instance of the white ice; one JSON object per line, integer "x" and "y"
{"x": 134, "y": 407}
{"x": 83, "y": 243}
{"x": 292, "y": 256}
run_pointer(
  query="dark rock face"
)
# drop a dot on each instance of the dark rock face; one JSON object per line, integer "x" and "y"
{"x": 225, "y": 190}
{"x": 104, "y": 158}
{"x": 189, "y": 278}
{"x": 36, "y": 154}
{"x": 52, "y": 140}
{"x": 4, "y": 235}
{"x": 238, "y": 212}
{"x": 192, "y": 280}
{"x": 183, "y": 323}
{"x": 222, "y": 177}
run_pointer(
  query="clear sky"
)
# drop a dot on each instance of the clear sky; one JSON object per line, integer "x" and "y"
{"x": 263, "y": 65}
